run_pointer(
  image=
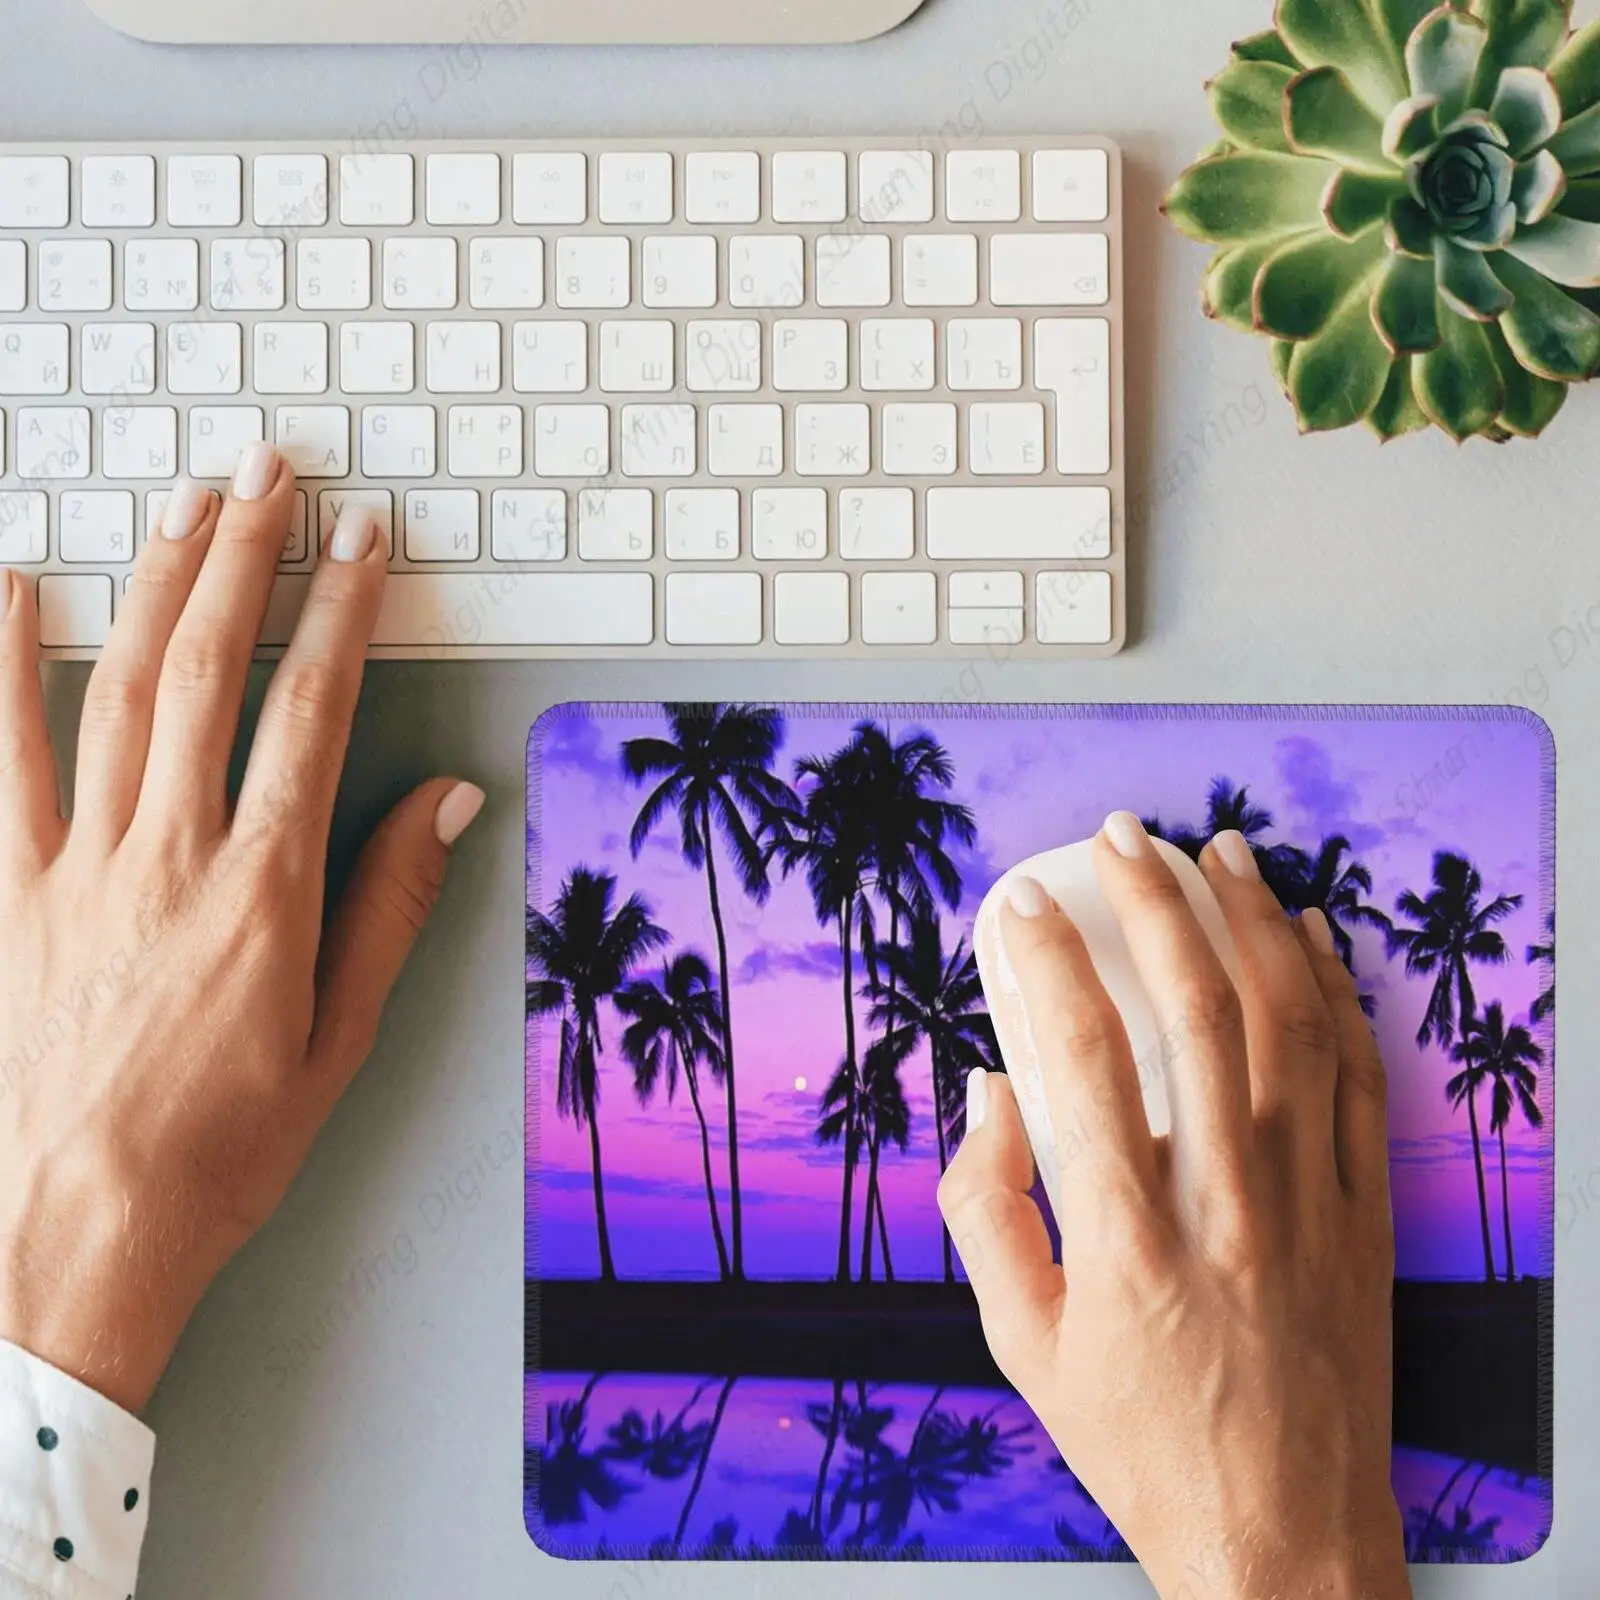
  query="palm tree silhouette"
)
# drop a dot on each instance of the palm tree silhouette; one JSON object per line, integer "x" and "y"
{"x": 678, "y": 1023}
{"x": 660, "y": 1449}
{"x": 712, "y": 1430}
{"x": 1229, "y": 808}
{"x": 563, "y": 1475}
{"x": 583, "y": 954}
{"x": 715, "y": 772}
{"x": 885, "y": 1117}
{"x": 1336, "y": 888}
{"x": 1545, "y": 1005}
{"x": 937, "y": 999}
{"x": 1451, "y": 928}
{"x": 1506, "y": 1057}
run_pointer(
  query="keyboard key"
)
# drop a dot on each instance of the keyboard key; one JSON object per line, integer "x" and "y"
{"x": 853, "y": 270}
{"x": 442, "y": 524}
{"x": 745, "y": 441}
{"x": 766, "y": 270}
{"x": 1049, "y": 269}
{"x": 723, "y": 186}
{"x": 896, "y": 353}
{"x": 810, "y": 355}
{"x": 485, "y": 441}
{"x": 1071, "y": 186}
{"x": 714, "y": 608}
{"x": 658, "y": 441}
{"x": 377, "y": 357}
{"x": 833, "y": 441}
{"x": 899, "y": 608}
{"x": 980, "y": 627}
{"x": 441, "y": 611}
{"x": 593, "y": 274}
{"x": 983, "y": 186}
{"x": 24, "y": 527}
{"x": 809, "y": 186}
{"x": 118, "y": 358}
{"x": 139, "y": 442}
{"x": 1072, "y": 360}
{"x": 291, "y": 191}
{"x": 205, "y": 357}
{"x": 1006, "y": 441}
{"x": 97, "y": 525}
{"x": 920, "y": 440}
{"x": 702, "y": 524}
{"x": 987, "y": 591}
{"x": 506, "y": 274}
{"x": 723, "y": 357}
{"x": 377, "y": 191}
{"x": 13, "y": 275}
{"x": 550, "y": 357}
{"x": 464, "y": 357}
{"x": 35, "y": 191}
{"x": 290, "y": 358}
{"x": 984, "y": 353}
{"x": 34, "y": 357}
{"x": 680, "y": 272}
{"x": 811, "y": 608}
{"x": 464, "y": 190}
{"x": 161, "y": 275}
{"x": 218, "y": 436}
{"x": 247, "y": 274}
{"x": 333, "y": 274}
{"x": 314, "y": 440}
{"x": 528, "y": 525}
{"x": 399, "y": 442}
{"x": 635, "y": 187}
{"x": 895, "y": 186}
{"x": 1019, "y": 524}
{"x": 74, "y": 611}
{"x": 205, "y": 191}
{"x": 636, "y": 357}
{"x": 571, "y": 441}
{"x": 877, "y": 524}
{"x": 75, "y": 275}
{"x": 52, "y": 442}
{"x": 616, "y": 525}
{"x": 117, "y": 191}
{"x": 419, "y": 274}
{"x": 549, "y": 190}
{"x": 1073, "y": 608}
{"x": 940, "y": 269}
{"x": 789, "y": 525}
{"x": 333, "y": 503}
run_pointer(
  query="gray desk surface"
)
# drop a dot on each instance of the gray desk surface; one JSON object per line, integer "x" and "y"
{"x": 387, "y": 1461}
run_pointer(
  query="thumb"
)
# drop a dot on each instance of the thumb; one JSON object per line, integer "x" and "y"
{"x": 998, "y": 1230}
{"x": 390, "y": 896}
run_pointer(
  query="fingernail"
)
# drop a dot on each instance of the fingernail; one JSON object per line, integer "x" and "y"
{"x": 1127, "y": 835}
{"x": 185, "y": 509}
{"x": 1028, "y": 898}
{"x": 1234, "y": 852}
{"x": 457, "y": 812}
{"x": 977, "y": 1099}
{"x": 1315, "y": 922}
{"x": 256, "y": 472}
{"x": 353, "y": 534}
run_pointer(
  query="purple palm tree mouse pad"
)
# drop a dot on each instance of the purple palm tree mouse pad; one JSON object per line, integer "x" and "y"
{"x": 751, "y": 1008}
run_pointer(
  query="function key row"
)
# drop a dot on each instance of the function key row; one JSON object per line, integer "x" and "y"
{"x": 639, "y": 188}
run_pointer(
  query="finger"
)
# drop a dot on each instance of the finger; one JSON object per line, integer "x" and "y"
{"x": 1071, "y": 1035}
{"x": 1292, "y": 1045}
{"x": 998, "y": 1231}
{"x": 1361, "y": 1095}
{"x": 292, "y": 779}
{"x": 396, "y": 884}
{"x": 114, "y": 737}
{"x": 200, "y": 692}
{"x": 1198, "y": 1012}
{"x": 30, "y": 800}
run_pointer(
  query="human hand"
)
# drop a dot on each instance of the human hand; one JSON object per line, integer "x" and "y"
{"x": 1213, "y": 1356}
{"x": 176, "y": 1023}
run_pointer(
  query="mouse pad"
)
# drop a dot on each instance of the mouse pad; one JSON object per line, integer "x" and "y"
{"x": 747, "y": 1334}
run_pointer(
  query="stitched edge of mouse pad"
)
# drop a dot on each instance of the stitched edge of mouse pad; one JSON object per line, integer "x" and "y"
{"x": 746, "y": 1381}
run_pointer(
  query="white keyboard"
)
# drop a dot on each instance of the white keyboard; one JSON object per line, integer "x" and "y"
{"x": 750, "y": 398}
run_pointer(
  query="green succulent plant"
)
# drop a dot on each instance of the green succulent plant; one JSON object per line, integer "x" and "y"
{"x": 1407, "y": 201}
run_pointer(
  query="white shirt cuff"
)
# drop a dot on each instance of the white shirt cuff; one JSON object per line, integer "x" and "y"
{"x": 74, "y": 1486}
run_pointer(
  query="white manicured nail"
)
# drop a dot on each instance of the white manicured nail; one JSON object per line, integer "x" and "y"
{"x": 353, "y": 534}
{"x": 185, "y": 509}
{"x": 457, "y": 812}
{"x": 256, "y": 472}
{"x": 1234, "y": 852}
{"x": 1127, "y": 835}
{"x": 977, "y": 1099}
{"x": 1028, "y": 898}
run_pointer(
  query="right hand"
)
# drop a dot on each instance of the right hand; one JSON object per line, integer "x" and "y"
{"x": 1213, "y": 1356}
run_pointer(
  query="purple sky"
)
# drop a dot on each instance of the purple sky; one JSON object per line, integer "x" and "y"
{"x": 1398, "y": 787}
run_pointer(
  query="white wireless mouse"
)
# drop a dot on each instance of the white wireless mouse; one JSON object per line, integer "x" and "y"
{"x": 1070, "y": 878}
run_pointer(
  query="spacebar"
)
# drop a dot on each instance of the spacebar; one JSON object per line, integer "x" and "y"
{"x": 438, "y": 613}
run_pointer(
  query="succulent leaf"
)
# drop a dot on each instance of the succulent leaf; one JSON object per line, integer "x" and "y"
{"x": 1339, "y": 376}
{"x": 1282, "y": 355}
{"x": 1397, "y": 411}
{"x": 1576, "y": 71}
{"x": 1247, "y": 100}
{"x": 1564, "y": 249}
{"x": 1248, "y": 196}
{"x": 1582, "y": 200}
{"x": 1405, "y": 305}
{"x": 1408, "y": 232}
{"x": 1443, "y": 55}
{"x": 1464, "y": 183}
{"x": 1577, "y": 146}
{"x": 1522, "y": 33}
{"x": 1526, "y": 108}
{"x": 1531, "y": 402}
{"x": 1550, "y": 333}
{"x": 1326, "y": 117}
{"x": 1412, "y": 127}
{"x": 1459, "y": 384}
{"x": 1307, "y": 279}
{"x": 1355, "y": 201}
{"x": 1399, "y": 19}
{"x": 1467, "y": 283}
{"x": 1229, "y": 291}
{"x": 1538, "y": 188}
{"x": 1266, "y": 46}
{"x": 1339, "y": 33}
